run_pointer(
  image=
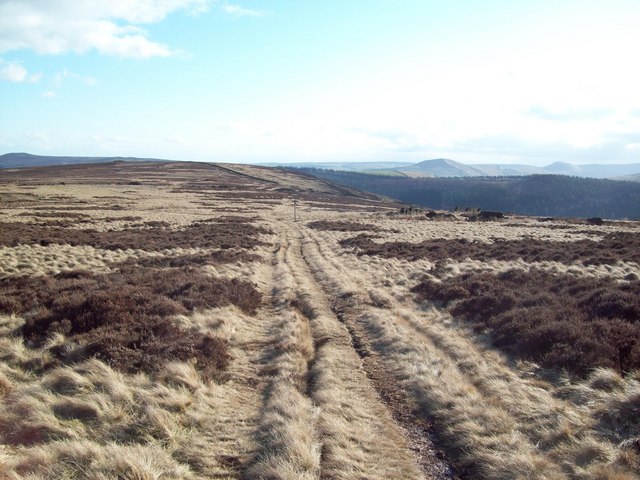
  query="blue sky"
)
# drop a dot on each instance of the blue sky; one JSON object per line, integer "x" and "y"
{"x": 283, "y": 80}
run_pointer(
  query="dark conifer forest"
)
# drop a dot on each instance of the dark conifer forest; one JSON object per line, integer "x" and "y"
{"x": 545, "y": 195}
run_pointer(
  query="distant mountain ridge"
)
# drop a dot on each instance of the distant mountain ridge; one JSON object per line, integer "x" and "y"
{"x": 345, "y": 166}
{"x": 21, "y": 160}
{"x": 445, "y": 167}
{"x": 438, "y": 167}
{"x": 442, "y": 167}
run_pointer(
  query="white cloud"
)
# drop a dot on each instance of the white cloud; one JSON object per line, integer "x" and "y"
{"x": 14, "y": 72}
{"x": 240, "y": 11}
{"x": 49, "y": 94}
{"x": 65, "y": 75}
{"x": 111, "y": 28}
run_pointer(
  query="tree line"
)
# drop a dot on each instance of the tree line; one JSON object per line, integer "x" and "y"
{"x": 545, "y": 195}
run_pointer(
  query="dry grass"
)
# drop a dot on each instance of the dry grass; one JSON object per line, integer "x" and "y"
{"x": 89, "y": 421}
{"x": 557, "y": 321}
{"x": 337, "y": 374}
{"x": 497, "y": 419}
{"x": 288, "y": 439}
{"x": 361, "y": 437}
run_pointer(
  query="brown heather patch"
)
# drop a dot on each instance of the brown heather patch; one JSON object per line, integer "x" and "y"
{"x": 54, "y": 214}
{"x": 230, "y": 219}
{"x": 221, "y": 256}
{"x": 558, "y": 321}
{"x": 126, "y": 218}
{"x": 614, "y": 247}
{"x": 88, "y": 206}
{"x": 223, "y": 234}
{"x": 342, "y": 226}
{"x": 126, "y": 318}
{"x": 157, "y": 224}
{"x": 331, "y": 207}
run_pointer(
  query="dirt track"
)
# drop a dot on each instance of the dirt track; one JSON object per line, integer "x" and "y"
{"x": 339, "y": 374}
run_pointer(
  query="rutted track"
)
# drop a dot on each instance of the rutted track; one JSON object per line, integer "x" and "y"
{"x": 322, "y": 417}
{"x": 346, "y": 303}
{"x": 289, "y": 445}
{"x": 494, "y": 423}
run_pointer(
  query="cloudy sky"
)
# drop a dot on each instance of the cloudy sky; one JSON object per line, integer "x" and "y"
{"x": 333, "y": 80}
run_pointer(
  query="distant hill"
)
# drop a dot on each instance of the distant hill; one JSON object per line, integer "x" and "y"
{"x": 20, "y": 160}
{"x": 444, "y": 167}
{"x": 545, "y": 195}
{"x": 593, "y": 170}
{"x": 509, "y": 169}
{"x": 628, "y": 178}
{"x": 346, "y": 166}
{"x": 440, "y": 167}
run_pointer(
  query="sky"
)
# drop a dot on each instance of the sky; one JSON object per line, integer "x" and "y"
{"x": 516, "y": 81}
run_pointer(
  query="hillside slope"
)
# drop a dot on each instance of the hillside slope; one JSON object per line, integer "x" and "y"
{"x": 546, "y": 195}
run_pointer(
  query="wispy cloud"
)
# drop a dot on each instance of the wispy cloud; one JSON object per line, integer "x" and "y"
{"x": 240, "y": 11}
{"x": 65, "y": 75}
{"x": 49, "y": 94}
{"x": 569, "y": 114}
{"x": 15, "y": 72}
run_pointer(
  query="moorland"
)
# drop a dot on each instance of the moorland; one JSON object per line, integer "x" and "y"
{"x": 163, "y": 320}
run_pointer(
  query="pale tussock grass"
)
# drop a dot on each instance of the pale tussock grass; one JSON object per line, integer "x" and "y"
{"x": 497, "y": 419}
{"x": 51, "y": 259}
{"x": 337, "y": 414}
{"x": 36, "y": 260}
{"x": 485, "y": 437}
{"x": 287, "y": 438}
{"x": 360, "y": 437}
{"x": 416, "y": 231}
{"x": 391, "y": 272}
{"x": 288, "y": 446}
{"x": 165, "y": 418}
{"x": 619, "y": 271}
{"x": 71, "y": 460}
{"x": 562, "y": 431}
{"x": 71, "y": 420}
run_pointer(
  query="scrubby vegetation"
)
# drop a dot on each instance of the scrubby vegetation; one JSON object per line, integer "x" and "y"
{"x": 342, "y": 226}
{"x": 222, "y": 234}
{"x": 614, "y": 247}
{"x": 217, "y": 257}
{"x": 125, "y": 318}
{"x": 558, "y": 321}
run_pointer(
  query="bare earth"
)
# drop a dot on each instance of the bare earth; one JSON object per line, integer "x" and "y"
{"x": 174, "y": 320}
